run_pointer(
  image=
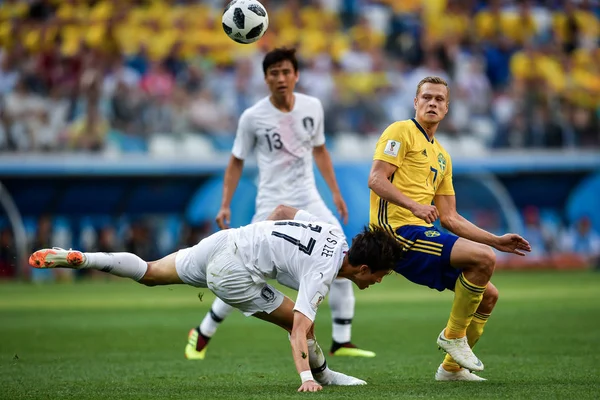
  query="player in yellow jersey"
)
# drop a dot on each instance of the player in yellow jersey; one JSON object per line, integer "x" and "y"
{"x": 411, "y": 171}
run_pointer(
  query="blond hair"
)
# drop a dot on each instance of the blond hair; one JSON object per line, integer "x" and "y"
{"x": 435, "y": 80}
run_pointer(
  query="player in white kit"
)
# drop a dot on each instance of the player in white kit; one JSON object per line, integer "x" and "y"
{"x": 286, "y": 132}
{"x": 235, "y": 264}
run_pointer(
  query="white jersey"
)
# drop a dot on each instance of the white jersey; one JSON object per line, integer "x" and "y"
{"x": 284, "y": 143}
{"x": 302, "y": 255}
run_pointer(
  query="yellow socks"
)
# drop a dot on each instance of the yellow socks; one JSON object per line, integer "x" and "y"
{"x": 474, "y": 332}
{"x": 467, "y": 297}
{"x": 475, "y": 329}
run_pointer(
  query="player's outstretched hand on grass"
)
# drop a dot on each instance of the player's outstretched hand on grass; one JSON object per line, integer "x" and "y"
{"x": 310, "y": 386}
{"x": 512, "y": 243}
{"x": 223, "y": 217}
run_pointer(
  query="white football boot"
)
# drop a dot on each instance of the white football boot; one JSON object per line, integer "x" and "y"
{"x": 460, "y": 350}
{"x": 463, "y": 375}
{"x": 57, "y": 257}
{"x": 332, "y": 378}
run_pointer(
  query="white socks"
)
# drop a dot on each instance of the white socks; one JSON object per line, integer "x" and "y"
{"x": 341, "y": 302}
{"x": 316, "y": 358}
{"x": 316, "y": 361}
{"x": 218, "y": 312}
{"x": 126, "y": 265}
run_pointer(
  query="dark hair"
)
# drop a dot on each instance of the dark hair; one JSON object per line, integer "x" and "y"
{"x": 376, "y": 248}
{"x": 278, "y": 55}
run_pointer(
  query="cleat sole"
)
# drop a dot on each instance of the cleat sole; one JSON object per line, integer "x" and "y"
{"x": 38, "y": 259}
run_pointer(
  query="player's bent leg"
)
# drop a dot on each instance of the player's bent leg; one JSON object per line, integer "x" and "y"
{"x": 282, "y": 316}
{"x": 477, "y": 261}
{"x": 477, "y": 264}
{"x": 199, "y": 336}
{"x": 481, "y": 316}
{"x": 474, "y": 332}
{"x": 162, "y": 272}
{"x": 489, "y": 300}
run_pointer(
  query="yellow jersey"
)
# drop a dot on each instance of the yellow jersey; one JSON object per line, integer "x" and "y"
{"x": 424, "y": 169}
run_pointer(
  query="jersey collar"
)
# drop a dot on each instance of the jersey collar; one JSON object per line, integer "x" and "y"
{"x": 422, "y": 130}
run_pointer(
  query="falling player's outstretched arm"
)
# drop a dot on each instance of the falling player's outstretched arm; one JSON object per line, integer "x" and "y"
{"x": 298, "y": 339}
{"x": 460, "y": 226}
{"x": 323, "y": 161}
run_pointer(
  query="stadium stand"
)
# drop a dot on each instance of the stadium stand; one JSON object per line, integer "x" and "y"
{"x": 158, "y": 79}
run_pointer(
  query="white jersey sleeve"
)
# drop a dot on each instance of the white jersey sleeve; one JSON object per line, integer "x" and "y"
{"x": 319, "y": 137}
{"x": 315, "y": 283}
{"x": 244, "y": 137}
{"x": 314, "y": 286}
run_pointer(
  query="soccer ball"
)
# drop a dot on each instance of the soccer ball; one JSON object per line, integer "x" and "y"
{"x": 245, "y": 21}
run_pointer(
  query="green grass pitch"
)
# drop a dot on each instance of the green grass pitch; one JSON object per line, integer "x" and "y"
{"x": 116, "y": 339}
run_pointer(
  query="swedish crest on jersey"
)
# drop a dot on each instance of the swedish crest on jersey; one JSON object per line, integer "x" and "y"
{"x": 432, "y": 234}
{"x": 442, "y": 162}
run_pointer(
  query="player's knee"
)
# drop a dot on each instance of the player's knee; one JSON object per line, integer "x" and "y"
{"x": 151, "y": 277}
{"x": 486, "y": 260}
{"x": 148, "y": 281}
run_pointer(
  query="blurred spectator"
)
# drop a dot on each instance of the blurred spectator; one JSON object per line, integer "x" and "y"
{"x": 9, "y": 74}
{"x": 8, "y": 253}
{"x": 540, "y": 238}
{"x": 157, "y": 82}
{"x": 528, "y": 70}
{"x": 117, "y": 74}
{"x": 104, "y": 241}
{"x": 208, "y": 116}
{"x": 191, "y": 235}
{"x": 139, "y": 240}
{"x": 48, "y": 236}
{"x": 127, "y": 108}
{"x": 583, "y": 241}
{"x": 88, "y": 133}
{"x": 25, "y": 113}
{"x": 180, "y": 118}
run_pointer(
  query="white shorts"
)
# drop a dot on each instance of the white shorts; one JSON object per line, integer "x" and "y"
{"x": 191, "y": 262}
{"x": 231, "y": 281}
{"x": 316, "y": 208}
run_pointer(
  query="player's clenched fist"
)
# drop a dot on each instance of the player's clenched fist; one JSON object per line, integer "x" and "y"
{"x": 426, "y": 212}
{"x": 310, "y": 386}
{"x": 223, "y": 218}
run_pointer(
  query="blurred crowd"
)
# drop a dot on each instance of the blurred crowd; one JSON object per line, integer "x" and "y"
{"x": 134, "y": 75}
{"x": 150, "y": 237}
{"x": 556, "y": 245}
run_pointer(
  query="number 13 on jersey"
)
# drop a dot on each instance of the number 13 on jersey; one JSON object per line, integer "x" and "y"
{"x": 274, "y": 141}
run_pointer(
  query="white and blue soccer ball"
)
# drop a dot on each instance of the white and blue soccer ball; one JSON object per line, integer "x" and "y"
{"x": 245, "y": 21}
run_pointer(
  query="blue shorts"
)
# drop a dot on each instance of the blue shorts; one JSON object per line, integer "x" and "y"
{"x": 427, "y": 261}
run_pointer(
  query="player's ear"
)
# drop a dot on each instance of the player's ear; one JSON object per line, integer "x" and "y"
{"x": 415, "y": 103}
